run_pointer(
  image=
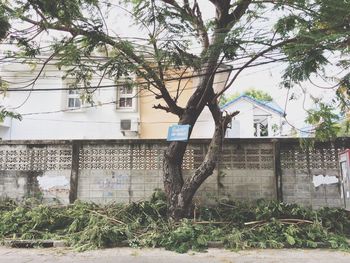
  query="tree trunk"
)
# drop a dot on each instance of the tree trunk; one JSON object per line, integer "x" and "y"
{"x": 172, "y": 174}
{"x": 172, "y": 167}
{"x": 178, "y": 192}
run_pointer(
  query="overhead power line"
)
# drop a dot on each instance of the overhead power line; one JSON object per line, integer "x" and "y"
{"x": 139, "y": 83}
{"x": 102, "y": 104}
{"x": 115, "y": 85}
{"x": 107, "y": 122}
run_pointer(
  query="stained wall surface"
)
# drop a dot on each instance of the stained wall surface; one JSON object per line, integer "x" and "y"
{"x": 311, "y": 176}
{"x": 105, "y": 171}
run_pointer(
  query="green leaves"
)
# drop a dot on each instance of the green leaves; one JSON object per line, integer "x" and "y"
{"x": 320, "y": 29}
{"x": 304, "y": 59}
{"x": 325, "y": 120}
{"x": 185, "y": 237}
{"x": 4, "y": 23}
{"x": 65, "y": 11}
{"x": 290, "y": 239}
{"x": 7, "y": 113}
{"x": 89, "y": 226}
{"x": 286, "y": 25}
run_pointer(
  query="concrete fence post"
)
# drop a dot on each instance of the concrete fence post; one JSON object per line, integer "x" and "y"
{"x": 74, "y": 177}
{"x": 277, "y": 169}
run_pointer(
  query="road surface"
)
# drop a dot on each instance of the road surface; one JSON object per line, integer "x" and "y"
{"x": 130, "y": 255}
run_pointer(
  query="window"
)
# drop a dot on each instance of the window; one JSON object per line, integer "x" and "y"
{"x": 126, "y": 97}
{"x": 73, "y": 98}
{"x": 261, "y": 126}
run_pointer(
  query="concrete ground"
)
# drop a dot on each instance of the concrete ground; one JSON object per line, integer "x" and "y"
{"x": 129, "y": 255}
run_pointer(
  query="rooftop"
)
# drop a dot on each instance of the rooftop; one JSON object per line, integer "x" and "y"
{"x": 270, "y": 105}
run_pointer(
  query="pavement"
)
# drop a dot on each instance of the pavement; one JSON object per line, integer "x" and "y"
{"x": 131, "y": 255}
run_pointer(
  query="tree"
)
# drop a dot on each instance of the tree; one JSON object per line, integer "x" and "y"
{"x": 254, "y": 93}
{"x": 305, "y": 35}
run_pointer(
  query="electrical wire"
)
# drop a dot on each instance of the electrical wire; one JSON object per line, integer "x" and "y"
{"x": 101, "y": 104}
{"x": 115, "y": 85}
{"x": 139, "y": 83}
{"x": 108, "y": 122}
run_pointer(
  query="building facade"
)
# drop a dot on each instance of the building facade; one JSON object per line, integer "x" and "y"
{"x": 154, "y": 123}
{"x": 255, "y": 119}
{"x": 57, "y": 108}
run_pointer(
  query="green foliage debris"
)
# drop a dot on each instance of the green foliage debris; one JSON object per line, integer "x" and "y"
{"x": 263, "y": 224}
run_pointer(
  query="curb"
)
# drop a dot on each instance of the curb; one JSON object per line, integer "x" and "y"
{"x": 16, "y": 243}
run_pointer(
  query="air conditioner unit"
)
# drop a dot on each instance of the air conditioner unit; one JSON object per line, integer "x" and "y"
{"x": 129, "y": 126}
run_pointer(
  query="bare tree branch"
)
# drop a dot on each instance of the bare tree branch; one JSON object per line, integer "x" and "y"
{"x": 194, "y": 16}
{"x": 161, "y": 107}
{"x": 179, "y": 83}
{"x": 155, "y": 47}
{"x": 209, "y": 86}
{"x": 240, "y": 10}
{"x": 226, "y": 20}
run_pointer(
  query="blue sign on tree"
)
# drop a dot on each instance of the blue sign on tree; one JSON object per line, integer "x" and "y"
{"x": 178, "y": 133}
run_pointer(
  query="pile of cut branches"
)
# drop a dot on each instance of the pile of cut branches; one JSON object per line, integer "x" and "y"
{"x": 264, "y": 224}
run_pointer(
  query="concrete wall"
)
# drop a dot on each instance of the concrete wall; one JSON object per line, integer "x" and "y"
{"x": 247, "y": 171}
{"x": 311, "y": 177}
{"x": 38, "y": 170}
{"x": 127, "y": 171}
{"x": 300, "y": 188}
{"x": 103, "y": 186}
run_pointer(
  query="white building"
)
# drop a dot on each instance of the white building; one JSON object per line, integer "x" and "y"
{"x": 54, "y": 109}
{"x": 256, "y": 119}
